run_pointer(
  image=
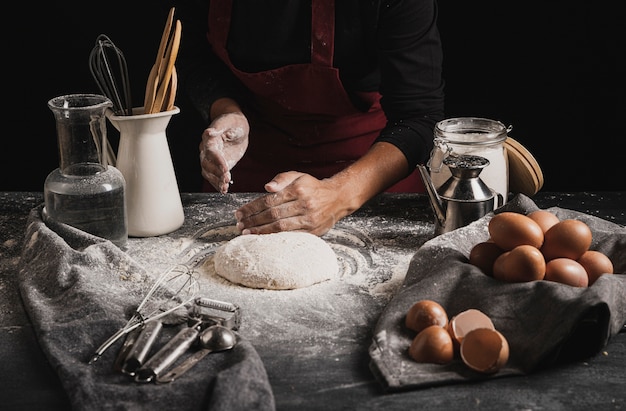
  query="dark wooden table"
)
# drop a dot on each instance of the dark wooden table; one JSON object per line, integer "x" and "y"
{"x": 335, "y": 377}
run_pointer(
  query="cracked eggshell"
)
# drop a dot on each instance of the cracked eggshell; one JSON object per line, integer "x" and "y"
{"x": 485, "y": 350}
{"x": 466, "y": 321}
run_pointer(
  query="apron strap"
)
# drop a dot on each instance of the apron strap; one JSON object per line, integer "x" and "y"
{"x": 322, "y": 32}
{"x": 218, "y": 33}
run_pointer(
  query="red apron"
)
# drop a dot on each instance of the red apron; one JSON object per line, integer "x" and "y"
{"x": 301, "y": 117}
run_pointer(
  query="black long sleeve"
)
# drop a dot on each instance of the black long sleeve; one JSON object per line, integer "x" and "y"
{"x": 390, "y": 46}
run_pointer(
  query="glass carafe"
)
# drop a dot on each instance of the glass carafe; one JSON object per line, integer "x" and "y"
{"x": 86, "y": 191}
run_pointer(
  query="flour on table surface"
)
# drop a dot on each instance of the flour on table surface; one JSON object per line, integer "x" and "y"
{"x": 372, "y": 258}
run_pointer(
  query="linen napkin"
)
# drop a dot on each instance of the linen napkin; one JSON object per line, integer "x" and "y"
{"x": 544, "y": 322}
{"x": 78, "y": 290}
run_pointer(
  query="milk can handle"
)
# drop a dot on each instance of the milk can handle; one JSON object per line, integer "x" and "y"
{"x": 440, "y": 151}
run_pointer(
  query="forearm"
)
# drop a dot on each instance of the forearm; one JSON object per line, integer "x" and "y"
{"x": 224, "y": 105}
{"x": 381, "y": 167}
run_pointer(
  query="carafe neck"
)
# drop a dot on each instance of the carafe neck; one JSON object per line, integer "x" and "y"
{"x": 81, "y": 133}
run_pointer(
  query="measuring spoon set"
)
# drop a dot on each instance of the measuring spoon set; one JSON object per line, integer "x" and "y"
{"x": 209, "y": 333}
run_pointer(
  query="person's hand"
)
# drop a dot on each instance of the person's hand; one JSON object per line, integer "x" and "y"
{"x": 295, "y": 202}
{"x": 223, "y": 144}
{"x": 300, "y": 202}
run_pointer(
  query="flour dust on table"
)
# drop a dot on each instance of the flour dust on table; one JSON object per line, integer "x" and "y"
{"x": 372, "y": 255}
{"x": 277, "y": 261}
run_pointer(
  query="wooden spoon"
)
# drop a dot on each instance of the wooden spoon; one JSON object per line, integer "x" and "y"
{"x": 168, "y": 65}
{"x": 156, "y": 71}
{"x": 171, "y": 92}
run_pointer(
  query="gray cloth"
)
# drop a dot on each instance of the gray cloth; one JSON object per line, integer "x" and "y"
{"x": 78, "y": 290}
{"x": 545, "y": 323}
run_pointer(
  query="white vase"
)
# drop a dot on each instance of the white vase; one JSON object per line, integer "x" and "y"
{"x": 154, "y": 206}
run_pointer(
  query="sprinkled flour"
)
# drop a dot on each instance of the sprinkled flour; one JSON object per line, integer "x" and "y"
{"x": 373, "y": 255}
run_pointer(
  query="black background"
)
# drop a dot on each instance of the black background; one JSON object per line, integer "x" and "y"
{"x": 553, "y": 70}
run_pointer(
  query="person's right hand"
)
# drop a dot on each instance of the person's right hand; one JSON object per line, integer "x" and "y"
{"x": 223, "y": 144}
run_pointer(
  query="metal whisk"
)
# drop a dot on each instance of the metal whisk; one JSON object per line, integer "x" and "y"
{"x": 172, "y": 290}
{"x": 108, "y": 68}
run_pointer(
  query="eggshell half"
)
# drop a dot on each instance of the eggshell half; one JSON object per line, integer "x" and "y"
{"x": 464, "y": 322}
{"x": 485, "y": 350}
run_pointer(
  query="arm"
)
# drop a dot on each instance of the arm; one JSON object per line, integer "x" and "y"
{"x": 411, "y": 59}
{"x": 298, "y": 201}
{"x": 412, "y": 88}
{"x": 202, "y": 76}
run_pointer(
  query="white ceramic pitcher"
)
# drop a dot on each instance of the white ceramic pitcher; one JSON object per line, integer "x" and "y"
{"x": 154, "y": 206}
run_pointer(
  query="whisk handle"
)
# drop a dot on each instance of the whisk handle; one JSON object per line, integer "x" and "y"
{"x": 167, "y": 355}
{"x": 110, "y": 341}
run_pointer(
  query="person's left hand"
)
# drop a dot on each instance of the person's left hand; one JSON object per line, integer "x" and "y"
{"x": 223, "y": 144}
{"x": 296, "y": 202}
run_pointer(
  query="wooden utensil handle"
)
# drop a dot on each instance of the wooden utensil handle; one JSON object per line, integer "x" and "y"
{"x": 168, "y": 63}
{"x": 156, "y": 73}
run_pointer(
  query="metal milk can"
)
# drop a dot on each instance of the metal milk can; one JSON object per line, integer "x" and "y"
{"x": 464, "y": 197}
{"x": 476, "y": 136}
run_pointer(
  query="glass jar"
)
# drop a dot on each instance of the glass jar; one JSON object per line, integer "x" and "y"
{"x": 473, "y": 136}
{"x": 85, "y": 192}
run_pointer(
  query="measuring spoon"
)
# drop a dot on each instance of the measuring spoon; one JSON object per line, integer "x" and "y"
{"x": 213, "y": 339}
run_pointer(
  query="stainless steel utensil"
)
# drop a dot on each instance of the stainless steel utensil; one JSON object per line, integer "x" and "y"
{"x": 213, "y": 339}
{"x": 204, "y": 312}
{"x": 108, "y": 68}
{"x": 141, "y": 347}
{"x": 168, "y": 354}
{"x": 173, "y": 289}
{"x": 464, "y": 197}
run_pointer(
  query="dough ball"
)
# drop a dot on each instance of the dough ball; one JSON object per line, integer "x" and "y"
{"x": 277, "y": 261}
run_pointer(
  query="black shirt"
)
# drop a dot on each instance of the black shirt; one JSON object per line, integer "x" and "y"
{"x": 390, "y": 46}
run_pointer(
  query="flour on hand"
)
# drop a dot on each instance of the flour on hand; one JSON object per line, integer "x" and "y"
{"x": 278, "y": 261}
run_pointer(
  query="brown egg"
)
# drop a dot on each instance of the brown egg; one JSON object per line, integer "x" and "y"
{"x": 509, "y": 229}
{"x": 544, "y": 218}
{"x": 566, "y": 271}
{"x": 425, "y": 313}
{"x": 464, "y": 322}
{"x": 485, "y": 350}
{"x": 432, "y": 345}
{"x": 522, "y": 264}
{"x": 567, "y": 238}
{"x": 483, "y": 255}
{"x": 595, "y": 264}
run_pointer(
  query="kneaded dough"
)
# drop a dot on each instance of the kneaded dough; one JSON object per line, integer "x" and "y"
{"x": 278, "y": 261}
